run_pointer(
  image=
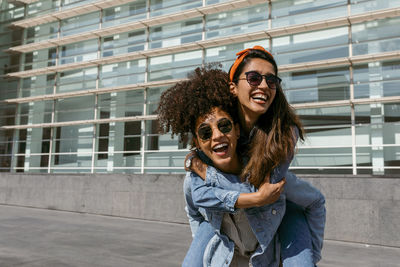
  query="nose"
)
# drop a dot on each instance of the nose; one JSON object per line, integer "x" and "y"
{"x": 216, "y": 133}
{"x": 263, "y": 83}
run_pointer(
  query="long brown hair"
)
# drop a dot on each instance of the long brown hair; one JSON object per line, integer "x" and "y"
{"x": 275, "y": 137}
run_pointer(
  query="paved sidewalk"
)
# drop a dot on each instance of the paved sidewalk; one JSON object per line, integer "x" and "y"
{"x": 47, "y": 238}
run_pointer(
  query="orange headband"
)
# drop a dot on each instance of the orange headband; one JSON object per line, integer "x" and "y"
{"x": 241, "y": 55}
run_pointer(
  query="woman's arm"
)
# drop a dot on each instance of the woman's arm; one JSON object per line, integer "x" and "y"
{"x": 226, "y": 195}
{"x": 192, "y": 211}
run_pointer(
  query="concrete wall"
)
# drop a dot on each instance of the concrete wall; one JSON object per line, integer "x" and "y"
{"x": 361, "y": 209}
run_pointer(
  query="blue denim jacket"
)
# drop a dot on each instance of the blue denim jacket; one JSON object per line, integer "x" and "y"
{"x": 208, "y": 200}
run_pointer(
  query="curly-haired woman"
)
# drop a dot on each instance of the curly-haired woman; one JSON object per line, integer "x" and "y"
{"x": 204, "y": 107}
{"x": 269, "y": 132}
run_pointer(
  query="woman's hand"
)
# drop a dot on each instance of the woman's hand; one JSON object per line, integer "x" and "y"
{"x": 269, "y": 193}
{"x": 197, "y": 166}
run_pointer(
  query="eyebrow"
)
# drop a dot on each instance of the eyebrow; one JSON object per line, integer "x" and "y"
{"x": 260, "y": 73}
{"x": 203, "y": 125}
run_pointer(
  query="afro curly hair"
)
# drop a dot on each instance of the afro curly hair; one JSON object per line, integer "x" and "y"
{"x": 182, "y": 104}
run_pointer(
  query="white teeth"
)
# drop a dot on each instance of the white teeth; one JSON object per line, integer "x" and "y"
{"x": 220, "y": 146}
{"x": 260, "y": 96}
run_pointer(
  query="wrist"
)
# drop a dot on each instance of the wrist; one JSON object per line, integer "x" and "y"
{"x": 258, "y": 199}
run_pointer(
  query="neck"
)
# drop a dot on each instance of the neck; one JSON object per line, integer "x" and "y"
{"x": 235, "y": 166}
{"x": 247, "y": 120}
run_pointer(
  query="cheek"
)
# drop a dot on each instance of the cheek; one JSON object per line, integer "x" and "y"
{"x": 273, "y": 95}
{"x": 203, "y": 146}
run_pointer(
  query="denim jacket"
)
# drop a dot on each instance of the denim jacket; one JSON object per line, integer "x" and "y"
{"x": 209, "y": 199}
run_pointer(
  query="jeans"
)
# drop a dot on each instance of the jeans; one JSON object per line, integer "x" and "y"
{"x": 294, "y": 235}
{"x": 194, "y": 256}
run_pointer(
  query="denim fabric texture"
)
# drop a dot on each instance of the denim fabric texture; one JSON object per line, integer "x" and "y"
{"x": 218, "y": 194}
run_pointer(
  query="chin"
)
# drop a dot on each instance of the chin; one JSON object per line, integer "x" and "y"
{"x": 258, "y": 108}
{"x": 221, "y": 163}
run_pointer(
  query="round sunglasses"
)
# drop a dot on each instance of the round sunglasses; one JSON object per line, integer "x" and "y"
{"x": 255, "y": 79}
{"x": 205, "y": 131}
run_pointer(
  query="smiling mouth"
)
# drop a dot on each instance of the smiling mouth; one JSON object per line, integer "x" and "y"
{"x": 259, "y": 98}
{"x": 221, "y": 148}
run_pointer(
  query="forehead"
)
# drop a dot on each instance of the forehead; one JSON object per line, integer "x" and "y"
{"x": 213, "y": 117}
{"x": 260, "y": 65}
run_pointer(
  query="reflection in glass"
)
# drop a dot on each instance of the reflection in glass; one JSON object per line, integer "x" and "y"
{"x": 158, "y": 7}
{"x": 75, "y": 109}
{"x": 238, "y": 21}
{"x": 176, "y": 33}
{"x": 316, "y": 85}
{"x": 290, "y": 12}
{"x": 160, "y": 67}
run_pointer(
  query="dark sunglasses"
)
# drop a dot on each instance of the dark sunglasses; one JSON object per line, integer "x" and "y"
{"x": 224, "y": 126}
{"x": 254, "y": 79}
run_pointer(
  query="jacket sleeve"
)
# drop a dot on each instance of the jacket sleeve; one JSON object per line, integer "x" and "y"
{"x": 215, "y": 177}
{"x": 219, "y": 192}
{"x": 313, "y": 202}
{"x": 192, "y": 211}
{"x": 212, "y": 198}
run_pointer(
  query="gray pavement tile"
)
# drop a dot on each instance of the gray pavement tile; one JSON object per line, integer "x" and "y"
{"x": 48, "y": 238}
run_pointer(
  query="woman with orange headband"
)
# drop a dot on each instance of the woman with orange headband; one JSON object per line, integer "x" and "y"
{"x": 269, "y": 132}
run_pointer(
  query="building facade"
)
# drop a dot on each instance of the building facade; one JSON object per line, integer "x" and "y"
{"x": 80, "y": 81}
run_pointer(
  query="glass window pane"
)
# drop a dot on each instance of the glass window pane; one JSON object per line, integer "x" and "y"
{"x": 330, "y": 117}
{"x": 104, "y": 106}
{"x": 71, "y": 161}
{"x": 73, "y": 139}
{"x": 376, "y": 79}
{"x": 165, "y": 159}
{"x": 378, "y": 160}
{"x": 41, "y": 32}
{"x": 377, "y": 124}
{"x": 123, "y": 73}
{"x": 123, "y": 161}
{"x": 129, "y": 104}
{"x": 79, "y": 24}
{"x": 38, "y": 112}
{"x": 123, "y": 43}
{"x": 75, "y": 80}
{"x": 335, "y": 160}
{"x": 316, "y": 85}
{"x": 7, "y": 114}
{"x": 125, "y": 13}
{"x": 153, "y": 98}
{"x": 77, "y": 52}
{"x": 160, "y": 67}
{"x": 10, "y": 89}
{"x": 376, "y": 36}
{"x": 66, "y": 4}
{"x": 163, "y": 7}
{"x": 176, "y": 33}
{"x": 43, "y": 7}
{"x": 358, "y": 6}
{"x": 311, "y": 46}
{"x": 75, "y": 109}
{"x": 238, "y": 21}
{"x": 37, "y": 85}
{"x": 290, "y": 12}
{"x": 40, "y": 59}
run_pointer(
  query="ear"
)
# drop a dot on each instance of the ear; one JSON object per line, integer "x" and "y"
{"x": 195, "y": 142}
{"x": 233, "y": 88}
